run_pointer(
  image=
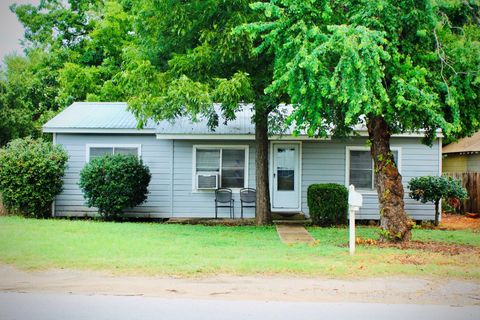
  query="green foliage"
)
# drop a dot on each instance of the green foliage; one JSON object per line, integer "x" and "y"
{"x": 341, "y": 63}
{"x": 113, "y": 183}
{"x": 327, "y": 204}
{"x": 28, "y": 87}
{"x": 432, "y": 189}
{"x": 73, "y": 53}
{"x": 31, "y": 174}
{"x": 185, "y": 57}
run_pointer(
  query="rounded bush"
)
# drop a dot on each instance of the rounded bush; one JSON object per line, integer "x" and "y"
{"x": 31, "y": 174}
{"x": 433, "y": 189}
{"x": 113, "y": 183}
{"x": 327, "y": 203}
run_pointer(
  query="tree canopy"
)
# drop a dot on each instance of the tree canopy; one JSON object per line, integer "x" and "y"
{"x": 73, "y": 50}
{"x": 415, "y": 63}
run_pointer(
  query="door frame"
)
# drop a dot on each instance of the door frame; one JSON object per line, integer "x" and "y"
{"x": 270, "y": 176}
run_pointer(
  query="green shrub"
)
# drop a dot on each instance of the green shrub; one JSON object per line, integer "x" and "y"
{"x": 433, "y": 189}
{"x": 31, "y": 174}
{"x": 113, "y": 183}
{"x": 327, "y": 203}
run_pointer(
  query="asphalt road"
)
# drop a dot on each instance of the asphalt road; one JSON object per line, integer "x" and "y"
{"x": 68, "y": 306}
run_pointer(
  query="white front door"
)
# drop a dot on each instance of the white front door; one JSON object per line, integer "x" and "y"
{"x": 286, "y": 174}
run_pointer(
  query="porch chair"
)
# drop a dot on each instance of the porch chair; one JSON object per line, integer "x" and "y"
{"x": 247, "y": 197}
{"x": 224, "y": 196}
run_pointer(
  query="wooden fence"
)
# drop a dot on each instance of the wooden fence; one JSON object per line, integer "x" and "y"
{"x": 471, "y": 182}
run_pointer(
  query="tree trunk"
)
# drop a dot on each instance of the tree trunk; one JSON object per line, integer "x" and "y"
{"x": 393, "y": 218}
{"x": 437, "y": 212}
{"x": 263, "y": 214}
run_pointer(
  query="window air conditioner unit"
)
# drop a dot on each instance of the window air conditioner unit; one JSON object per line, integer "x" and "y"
{"x": 207, "y": 181}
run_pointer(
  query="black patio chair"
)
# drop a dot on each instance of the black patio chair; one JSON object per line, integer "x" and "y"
{"x": 248, "y": 196}
{"x": 224, "y": 196}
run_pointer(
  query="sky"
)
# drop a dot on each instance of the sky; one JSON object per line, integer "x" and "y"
{"x": 11, "y": 30}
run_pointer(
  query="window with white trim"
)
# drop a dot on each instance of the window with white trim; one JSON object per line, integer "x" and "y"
{"x": 95, "y": 151}
{"x": 360, "y": 171}
{"x": 229, "y": 163}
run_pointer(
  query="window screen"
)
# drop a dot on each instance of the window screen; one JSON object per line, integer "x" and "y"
{"x": 229, "y": 163}
{"x": 126, "y": 151}
{"x": 98, "y": 152}
{"x": 208, "y": 160}
{"x": 361, "y": 173}
{"x": 233, "y": 168}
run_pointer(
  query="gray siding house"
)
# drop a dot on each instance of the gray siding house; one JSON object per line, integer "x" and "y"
{"x": 188, "y": 161}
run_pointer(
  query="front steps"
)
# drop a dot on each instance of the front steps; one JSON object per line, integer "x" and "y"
{"x": 290, "y": 219}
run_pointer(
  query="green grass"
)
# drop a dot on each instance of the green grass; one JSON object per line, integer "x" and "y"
{"x": 190, "y": 250}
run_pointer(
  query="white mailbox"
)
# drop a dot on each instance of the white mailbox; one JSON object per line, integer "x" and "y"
{"x": 355, "y": 199}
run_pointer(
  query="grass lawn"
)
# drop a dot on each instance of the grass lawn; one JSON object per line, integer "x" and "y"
{"x": 190, "y": 250}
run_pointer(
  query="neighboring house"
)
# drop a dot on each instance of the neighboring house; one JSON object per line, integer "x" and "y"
{"x": 463, "y": 155}
{"x": 183, "y": 156}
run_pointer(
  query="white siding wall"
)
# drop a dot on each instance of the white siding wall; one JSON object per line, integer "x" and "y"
{"x": 324, "y": 162}
{"x": 189, "y": 203}
{"x": 155, "y": 153}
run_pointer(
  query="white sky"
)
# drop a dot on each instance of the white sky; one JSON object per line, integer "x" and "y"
{"x": 11, "y": 30}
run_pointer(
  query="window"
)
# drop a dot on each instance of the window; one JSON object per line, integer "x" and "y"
{"x": 229, "y": 163}
{"x": 360, "y": 170}
{"x": 97, "y": 150}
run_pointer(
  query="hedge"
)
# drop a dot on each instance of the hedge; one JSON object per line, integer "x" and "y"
{"x": 31, "y": 173}
{"x": 328, "y": 204}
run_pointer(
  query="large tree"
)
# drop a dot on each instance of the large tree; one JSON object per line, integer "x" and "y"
{"x": 185, "y": 57}
{"x": 73, "y": 50}
{"x": 392, "y": 66}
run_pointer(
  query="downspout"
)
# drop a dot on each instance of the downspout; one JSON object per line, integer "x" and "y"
{"x": 440, "y": 174}
{"x": 172, "y": 166}
{"x": 54, "y": 141}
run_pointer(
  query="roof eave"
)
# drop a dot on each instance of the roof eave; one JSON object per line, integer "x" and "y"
{"x": 98, "y": 130}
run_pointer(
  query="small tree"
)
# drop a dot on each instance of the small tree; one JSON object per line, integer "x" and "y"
{"x": 31, "y": 174}
{"x": 114, "y": 183}
{"x": 433, "y": 189}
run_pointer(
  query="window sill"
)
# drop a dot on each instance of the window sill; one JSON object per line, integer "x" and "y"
{"x": 366, "y": 191}
{"x": 234, "y": 190}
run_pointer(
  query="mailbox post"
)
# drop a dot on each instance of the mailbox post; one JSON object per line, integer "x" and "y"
{"x": 355, "y": 201}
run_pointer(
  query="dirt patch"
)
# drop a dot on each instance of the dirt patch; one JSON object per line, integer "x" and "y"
{"x": 460, "y": 222}
{"x": 431, "y": 246}
{"x": 410, "y": 259}
{"x": 438, "y": 247}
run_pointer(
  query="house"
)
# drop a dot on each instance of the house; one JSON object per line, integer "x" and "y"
{"x": 182, "y": 157}
{"x": 463, "y": 155}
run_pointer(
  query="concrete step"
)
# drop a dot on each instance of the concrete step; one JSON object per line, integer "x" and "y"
{"x": 293, "y": 222}
{"x": 288, "y": 216}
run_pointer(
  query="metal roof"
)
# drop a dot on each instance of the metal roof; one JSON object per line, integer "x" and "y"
{"x": 242, "y": 124}
{"x": 114, "y": 117}
{"x": 465, "y": 145}
{"x": 94, "y": 115}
